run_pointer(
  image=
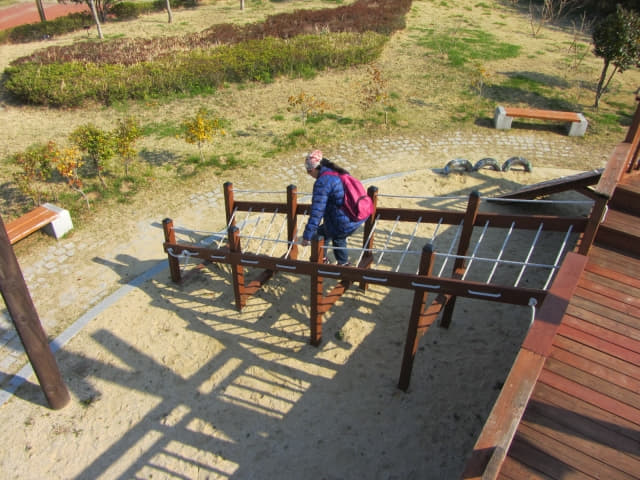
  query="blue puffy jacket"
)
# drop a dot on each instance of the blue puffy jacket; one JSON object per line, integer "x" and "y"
{"x": 328, "y": 196}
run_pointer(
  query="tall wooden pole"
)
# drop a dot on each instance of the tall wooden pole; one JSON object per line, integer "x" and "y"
{"x": 25, "y": 318}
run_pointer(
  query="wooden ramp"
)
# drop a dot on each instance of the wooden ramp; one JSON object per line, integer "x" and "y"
{"x": 583, "y": 417}
{"x": 570, "y": 407}
{"x": 578, "y": 182}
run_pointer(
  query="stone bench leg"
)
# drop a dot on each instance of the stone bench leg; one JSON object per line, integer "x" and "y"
{"x": 578, "y": 129}
{"x": 500, "y": 119}
{"x": 61, "y": 225}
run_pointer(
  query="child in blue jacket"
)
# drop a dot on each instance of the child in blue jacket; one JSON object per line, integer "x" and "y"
{"x": 326, "y": 203}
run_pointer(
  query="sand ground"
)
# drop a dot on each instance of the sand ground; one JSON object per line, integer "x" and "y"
{"x": 170, "y": 381}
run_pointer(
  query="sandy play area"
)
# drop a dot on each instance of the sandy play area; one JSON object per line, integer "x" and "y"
{"x": 170, "y": 381}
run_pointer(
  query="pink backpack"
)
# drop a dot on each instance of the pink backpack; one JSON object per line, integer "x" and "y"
{"x": 356, "y": 204}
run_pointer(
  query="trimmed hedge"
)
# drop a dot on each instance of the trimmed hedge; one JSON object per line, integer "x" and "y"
{"x": 72, "y": 83}
{"x": 76, "y": 21}
{"x": 38, "y": 31}
{"x": 361, "y": 16}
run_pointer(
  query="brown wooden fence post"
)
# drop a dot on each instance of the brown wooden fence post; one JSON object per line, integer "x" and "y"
{"x": 237, "y": 271}
{"x": 170, "y": 237}
{"x": 292, "y": 220}
{"x": 229, "y": 204}
{"x": 316, "y": 296}
{"x": 367, "y": 241}
{"x": 418, "y": 322}
{"x": 463, "y": 245}
{"x": 595, "y": 219}
{"x": 25, "y": 318}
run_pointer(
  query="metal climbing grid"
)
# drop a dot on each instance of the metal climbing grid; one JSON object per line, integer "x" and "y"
{"x": 416, "y": 242}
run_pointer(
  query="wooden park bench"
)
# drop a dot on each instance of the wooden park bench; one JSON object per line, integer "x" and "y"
{"x": 503, "y": 117}
{"x": 56, "y": 222}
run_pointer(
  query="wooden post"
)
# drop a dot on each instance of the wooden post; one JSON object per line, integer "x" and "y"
{"x": 367, "y": 241}
{"x": 595, "y": 219}
{"x": 316, "y": 295}
{"x": 237, "y": 271}
{"x": 292, "y": 220}
{"x": 632, "y": 137}
{"x": 25, "y": 318}
{"x": 229, "y": 204}
{"x": 419, "y": 322}
{"x": 170, "y": 237}
{"x": 465, "y": 239}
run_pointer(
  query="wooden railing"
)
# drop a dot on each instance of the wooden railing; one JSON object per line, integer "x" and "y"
{"x": 624, "y": 159}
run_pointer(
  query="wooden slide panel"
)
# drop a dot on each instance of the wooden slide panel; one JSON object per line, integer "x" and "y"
{"x": 514, "y": 470}
{"x": 503, "y": 420}
{"x": 620, "y": 278}
{"x": 554, "y": 438}
{"x": 609, "y": 302}
{"x": 597, "y": 356}
{"x": 597, "y": 370}
{"x": 606, "y": 387}
{"x": 598, "y": 343}
{"x": 545, "y": 451}
{"x": 628, "y": 266}
{"x": 578, "y": 406}
{"x": 597, "y": 399}
{"x": 611, "y": 287}
{"x": 604, "y": 322}
{"x": 524, "y": 451}
{"x": 604, "y": 311}
{"x": 603, "y": 333}
{"x": 597, "y": 434}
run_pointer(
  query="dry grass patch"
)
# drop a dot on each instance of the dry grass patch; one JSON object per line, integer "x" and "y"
{"x": 427, "y": 94}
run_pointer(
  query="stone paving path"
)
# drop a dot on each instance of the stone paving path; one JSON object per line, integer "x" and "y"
{"x": 70, "y": 276}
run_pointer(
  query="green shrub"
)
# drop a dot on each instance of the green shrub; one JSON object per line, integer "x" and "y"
{"x": 73, "y": 83}
{"x": 37, "y": 31}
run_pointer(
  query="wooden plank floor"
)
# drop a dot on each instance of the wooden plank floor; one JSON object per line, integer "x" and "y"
{"x": 583, "y": 418}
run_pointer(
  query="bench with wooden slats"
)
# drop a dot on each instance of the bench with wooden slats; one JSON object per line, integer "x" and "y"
{"x": 55, "y": 220}
{"x": 503, "y": 117}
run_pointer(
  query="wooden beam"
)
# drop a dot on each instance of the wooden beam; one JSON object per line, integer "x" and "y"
{"x": 25, "y": 318}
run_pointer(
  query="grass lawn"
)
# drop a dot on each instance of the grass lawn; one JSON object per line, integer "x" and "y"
{"x": 448, "y": 69}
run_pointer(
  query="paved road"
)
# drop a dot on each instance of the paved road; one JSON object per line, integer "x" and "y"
{"x": 23, "y": 13}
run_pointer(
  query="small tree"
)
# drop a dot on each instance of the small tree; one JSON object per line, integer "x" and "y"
{"x": 201, "y": 129}
{"x": 98, "y": 145}
{"x": 617, "y": 41}
{"x": 36, "y": 168}
{"x": 168, "y": 5}
{"x": 374, "y": 92}
{"x": 125, "y": 137}
{"x": 306, "y": 105}
{"x": 68, "y": 162}
{"x": 549, "y": 11}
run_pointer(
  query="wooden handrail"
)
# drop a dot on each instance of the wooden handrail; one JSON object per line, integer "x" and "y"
{"x": 493, "y": 443}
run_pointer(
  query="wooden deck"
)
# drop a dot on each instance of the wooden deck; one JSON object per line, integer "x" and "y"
{"x": 570, "y": 408}
{"x": 583, "y": 417}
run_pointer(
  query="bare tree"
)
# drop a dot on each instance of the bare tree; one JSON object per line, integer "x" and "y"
{"x": 549, "y": 11}
{"x": 40, "y": 7}
{"x": 169, "y": 11}
{"x": 94, "y": 13}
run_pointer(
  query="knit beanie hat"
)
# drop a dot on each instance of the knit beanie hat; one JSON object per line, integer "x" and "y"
{"x": 313, "y": 160}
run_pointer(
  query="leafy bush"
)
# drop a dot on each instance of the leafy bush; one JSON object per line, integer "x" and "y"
{"x": 77, "y": 21}
{"x": 72, "y": 83}
{"x": 362, "y": 16}
{"x": 129, "y": 10}
{"x": 37, "y": 31}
